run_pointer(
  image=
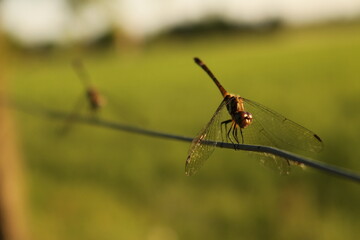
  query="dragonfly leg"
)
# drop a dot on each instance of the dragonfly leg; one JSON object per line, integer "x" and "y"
{"x": 235, "y": 133}
{"x": 228, "y": 133}
{"x": 242, "y": 136}
{"x": 225, "y": 123}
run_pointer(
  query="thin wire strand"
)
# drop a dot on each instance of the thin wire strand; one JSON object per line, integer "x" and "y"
{"x": 253, "y": 148}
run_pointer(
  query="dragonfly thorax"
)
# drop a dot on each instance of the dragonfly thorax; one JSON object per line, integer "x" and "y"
{"x": 237, "y": 111}
{"x": 95, "y": 99}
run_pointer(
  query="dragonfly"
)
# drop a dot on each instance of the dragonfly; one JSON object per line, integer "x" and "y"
{"x": 93, "y": 97}
{"x": 239, "y": 120}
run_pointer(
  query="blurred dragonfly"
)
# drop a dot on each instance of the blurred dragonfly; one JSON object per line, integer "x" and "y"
{"x": 93, "y": 97}
{"x": 242, "y": 121}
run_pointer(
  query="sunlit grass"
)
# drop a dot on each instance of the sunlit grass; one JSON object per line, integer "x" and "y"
{"x": 97, "y": 183}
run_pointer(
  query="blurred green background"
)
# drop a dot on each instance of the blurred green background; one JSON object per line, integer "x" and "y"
{"x": 98, "y": 183}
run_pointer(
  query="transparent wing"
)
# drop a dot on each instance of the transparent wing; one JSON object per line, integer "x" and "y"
{"x": 72, "y": 115}
{"x": 270, "y": 128}
{"x": 201, "y": 148}
{"x": 279, "y": 131}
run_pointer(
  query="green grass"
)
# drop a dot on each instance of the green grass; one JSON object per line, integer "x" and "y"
{"x": 95, "y": 183}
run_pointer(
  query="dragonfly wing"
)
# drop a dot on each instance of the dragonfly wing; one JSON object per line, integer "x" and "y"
{"x": 281, "y": 132}
{"x": 204, "y": 144}
{"x": 257, "y": 135}
{"x": 270, "y": 128}
{"x": 72, "y": 115}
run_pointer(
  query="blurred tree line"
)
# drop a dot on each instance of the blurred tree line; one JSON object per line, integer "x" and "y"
{"x": 117, "y": 37}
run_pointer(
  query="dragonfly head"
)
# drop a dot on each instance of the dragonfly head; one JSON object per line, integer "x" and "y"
{"x": 244, "y": 119}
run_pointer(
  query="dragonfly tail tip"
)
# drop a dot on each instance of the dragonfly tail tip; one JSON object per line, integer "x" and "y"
{"x": 198, "y": 61}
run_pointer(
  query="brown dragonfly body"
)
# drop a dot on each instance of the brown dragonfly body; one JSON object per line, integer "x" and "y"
{"x": 94, "y": 98}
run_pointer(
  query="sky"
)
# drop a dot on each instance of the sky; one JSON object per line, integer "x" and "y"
{"x": 34, "y": 22}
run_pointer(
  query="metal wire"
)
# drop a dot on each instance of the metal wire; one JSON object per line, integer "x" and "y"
{"x": 331, "y": 169}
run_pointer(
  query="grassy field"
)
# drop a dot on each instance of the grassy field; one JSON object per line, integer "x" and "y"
{"x": 96, "y": 183}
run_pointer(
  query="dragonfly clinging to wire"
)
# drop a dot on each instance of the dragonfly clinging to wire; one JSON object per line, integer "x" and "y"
{"x": 242, "y": 121}
{"x": 93, "y": 97}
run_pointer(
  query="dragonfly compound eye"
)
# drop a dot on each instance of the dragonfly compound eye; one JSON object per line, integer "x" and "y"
{"x": 246, "y": 119}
